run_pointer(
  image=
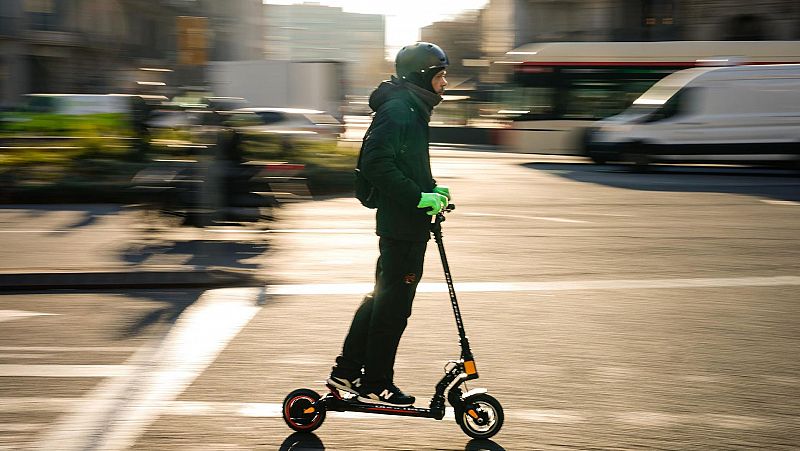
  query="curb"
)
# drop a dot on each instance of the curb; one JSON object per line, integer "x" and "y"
{"x": 142, "y": 278}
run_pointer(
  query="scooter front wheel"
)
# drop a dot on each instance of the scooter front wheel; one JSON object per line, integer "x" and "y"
{"x": 482, "y": 416}
{"x": 300, "y": 411}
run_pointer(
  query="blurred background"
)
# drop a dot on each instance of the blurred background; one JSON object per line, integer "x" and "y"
{"x": 627, "y": 179}
{"x": 94, "y": 90}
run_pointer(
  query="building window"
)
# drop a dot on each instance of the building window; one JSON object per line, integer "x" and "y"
{"x": 40, "y": 6}
{"x": 745, "y": 27}
{"x": 42, "y": 14}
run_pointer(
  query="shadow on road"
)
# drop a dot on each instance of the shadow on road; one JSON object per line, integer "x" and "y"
{"x": 302, "y": 441}
{"x": 774, "y": 183}
{"x": 229, "y": 254}
{"x": 483, "y": 445}
{"x": 307, "y": 441}
{"x": 176, "y": 303}
{"x": 90, "y": 213}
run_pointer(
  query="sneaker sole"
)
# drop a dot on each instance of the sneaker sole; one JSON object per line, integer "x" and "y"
{"x": 383, "y": 403}
{"x": 342, "y": 387}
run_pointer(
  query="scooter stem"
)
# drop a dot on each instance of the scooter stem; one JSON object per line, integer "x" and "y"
{"x": 436, "y": 230}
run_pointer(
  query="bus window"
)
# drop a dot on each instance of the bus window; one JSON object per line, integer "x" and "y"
{"x": 527, "y": 101}
{"x": 41, "y": 104}
{"x": 593, "y": 100}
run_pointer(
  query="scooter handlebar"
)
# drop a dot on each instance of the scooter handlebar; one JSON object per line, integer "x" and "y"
{"x": 440, "y": 215}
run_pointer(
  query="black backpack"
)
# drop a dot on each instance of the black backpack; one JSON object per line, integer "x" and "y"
{"x": 365, "y": 192}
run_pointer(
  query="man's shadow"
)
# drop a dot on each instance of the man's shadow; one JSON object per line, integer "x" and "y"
{"x": 89, "y": 214}
{"x": 228, "y": 254}
{"x": 307, "y": 441}
{"x": 176, "y": 304}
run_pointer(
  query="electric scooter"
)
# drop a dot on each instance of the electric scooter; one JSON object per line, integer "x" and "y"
{"x": 478, "y": 414}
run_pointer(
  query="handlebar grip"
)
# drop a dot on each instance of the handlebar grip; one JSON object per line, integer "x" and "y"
{"x": 450, "y": 207}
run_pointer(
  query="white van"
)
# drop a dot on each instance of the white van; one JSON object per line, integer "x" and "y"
{"x": 744, "y": 114}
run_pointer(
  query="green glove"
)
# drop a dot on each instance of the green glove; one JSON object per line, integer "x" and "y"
{"x": 444, "y": 191}
{"x": 435, "y": 201}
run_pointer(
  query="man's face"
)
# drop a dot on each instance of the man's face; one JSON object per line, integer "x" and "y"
{"x": 439, "y": 82}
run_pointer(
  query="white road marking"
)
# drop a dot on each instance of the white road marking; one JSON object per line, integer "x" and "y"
{"x": 538, "y": 218}
{"x": 551, "y": 416}
{"x": 37, "y": 404}
{"x": 58, "y": 230}
{"x": 668, "y": 419}
{"x": 114, "y": 415}
{"x": 9, "y": 315}
{"x": 25, "y": 356}
{"x": 25, "y": 370}
{"x": 321, "y": 230}
{"x": 780, "y": 202}
{"x": 326, "y": 231}
{"x": 481, "y": 287}
{"x": 82, "y": 426}
{"x": 34, "y": 231}
{"x": 68, "y": 348}
{"x": 20, "y": 427}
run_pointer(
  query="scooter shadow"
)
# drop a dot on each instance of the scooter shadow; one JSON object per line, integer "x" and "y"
{"x": 307, "y": 441}
{"x": 302, "y": 441}
{"x": 483, "y": 445}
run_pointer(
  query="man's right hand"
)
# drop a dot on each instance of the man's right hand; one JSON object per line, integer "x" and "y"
{"x": 435, "y": 201}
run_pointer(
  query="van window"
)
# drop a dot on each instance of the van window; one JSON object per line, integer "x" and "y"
{"x": 676, "y": 105}
{"x": 40, "y": 104}
{"x": 270, "y": 117}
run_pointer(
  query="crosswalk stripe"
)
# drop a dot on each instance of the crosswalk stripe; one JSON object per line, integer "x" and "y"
{"x": 115, "y": 413}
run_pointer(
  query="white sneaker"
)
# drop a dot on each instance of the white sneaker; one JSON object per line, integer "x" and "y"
{"x": 344, "y": 384}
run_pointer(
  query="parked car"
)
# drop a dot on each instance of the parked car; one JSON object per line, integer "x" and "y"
{"x": 294, "y": 122}
{"x": 741, "y": 114}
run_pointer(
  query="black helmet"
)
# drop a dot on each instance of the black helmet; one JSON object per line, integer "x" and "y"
{"x": 419, "y": 58}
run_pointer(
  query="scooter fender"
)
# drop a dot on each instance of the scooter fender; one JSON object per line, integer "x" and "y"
{"x": 474, "y": 391}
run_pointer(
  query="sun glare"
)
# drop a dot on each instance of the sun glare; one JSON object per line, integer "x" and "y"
{"x": 403, "y": 18}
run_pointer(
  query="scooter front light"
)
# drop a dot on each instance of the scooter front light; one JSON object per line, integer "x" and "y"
{"x": 469, "y": 367}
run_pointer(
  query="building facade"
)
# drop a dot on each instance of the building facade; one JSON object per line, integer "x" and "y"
{"x": 311, "y": 32}
{"x": 738, "y": 20}
{"x": 119, "y": 46}
{"x": 463, "y": 46}
{"x": 511, "y": 23}
{"x": 86, "y": 46}
{"x": 236, "y": 29}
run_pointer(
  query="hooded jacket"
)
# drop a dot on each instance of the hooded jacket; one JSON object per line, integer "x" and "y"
{"x": 395, "y": 158}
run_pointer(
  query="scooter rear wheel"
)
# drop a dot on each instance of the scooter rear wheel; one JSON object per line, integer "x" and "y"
{"x": 300, "y": 412}
{"x": 482, "y": 416}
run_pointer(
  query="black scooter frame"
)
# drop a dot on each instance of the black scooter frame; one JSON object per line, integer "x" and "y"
{"x": 456, "y": 371}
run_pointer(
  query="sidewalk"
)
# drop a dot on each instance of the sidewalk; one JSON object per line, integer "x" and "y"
{"x": 108, "y": 246}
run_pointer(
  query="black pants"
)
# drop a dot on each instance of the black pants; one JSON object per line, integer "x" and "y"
{"x": 381, "y": 318}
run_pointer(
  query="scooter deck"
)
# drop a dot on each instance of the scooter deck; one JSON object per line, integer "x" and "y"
{"x": 336, "y": 401}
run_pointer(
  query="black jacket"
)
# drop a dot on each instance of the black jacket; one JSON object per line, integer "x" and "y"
{"x": 395, "y": 159}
